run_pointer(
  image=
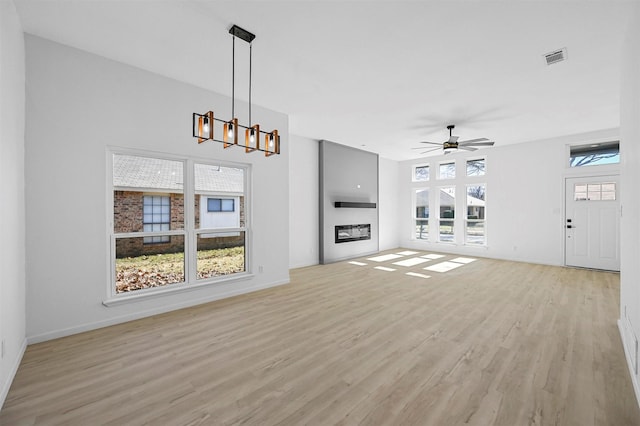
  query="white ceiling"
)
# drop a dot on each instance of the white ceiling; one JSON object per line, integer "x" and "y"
{"x": 377, "y": 75}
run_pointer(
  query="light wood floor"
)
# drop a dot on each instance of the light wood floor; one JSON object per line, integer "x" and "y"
{"x": 489, "y": 343}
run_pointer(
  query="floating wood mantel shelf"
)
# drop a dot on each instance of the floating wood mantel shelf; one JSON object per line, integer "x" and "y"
{"x": 354, "y": 205}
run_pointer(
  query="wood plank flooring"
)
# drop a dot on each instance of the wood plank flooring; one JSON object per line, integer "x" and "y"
{"x": 488, "y": 343}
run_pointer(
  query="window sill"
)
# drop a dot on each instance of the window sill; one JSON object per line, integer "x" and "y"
{"x": 140, "y": 295}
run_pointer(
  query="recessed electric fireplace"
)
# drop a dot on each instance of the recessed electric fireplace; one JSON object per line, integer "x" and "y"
{"x": 346, "y": 233}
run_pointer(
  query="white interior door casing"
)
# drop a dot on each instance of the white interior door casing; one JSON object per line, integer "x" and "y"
{"x": 592, "y": 222}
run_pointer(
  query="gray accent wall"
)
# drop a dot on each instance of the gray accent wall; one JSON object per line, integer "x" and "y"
{"x": 349, "y": 175}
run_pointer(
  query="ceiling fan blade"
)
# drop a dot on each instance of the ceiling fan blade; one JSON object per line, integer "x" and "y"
{"x": 475, "y": 140}
{"x": 488, "y": 143}
{"x": 453, "y": 139}
{"x": 430, "y": 150}
{"x": 467, "y": 148}
{"x": 432, "y": 143}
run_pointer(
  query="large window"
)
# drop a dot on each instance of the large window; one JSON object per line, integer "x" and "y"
{"x": 422, "y": 214}
{"x": 452, "y": 209}
{"x": 152, "y": 243}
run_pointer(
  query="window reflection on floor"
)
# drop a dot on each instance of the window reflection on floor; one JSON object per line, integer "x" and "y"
{"x": 409, "y": 258}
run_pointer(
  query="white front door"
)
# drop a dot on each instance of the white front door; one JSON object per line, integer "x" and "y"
{"x": 592, "y": 222}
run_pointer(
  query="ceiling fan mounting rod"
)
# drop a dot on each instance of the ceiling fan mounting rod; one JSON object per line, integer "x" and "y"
{"x": 451, "y": 127}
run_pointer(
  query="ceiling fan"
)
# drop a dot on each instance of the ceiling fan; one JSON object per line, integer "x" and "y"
{"x": 452, "y": 145}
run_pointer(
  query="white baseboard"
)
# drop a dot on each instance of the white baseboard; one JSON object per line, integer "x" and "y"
{"x": 143, "y": 314}
{"x": 12, "y": 373}
{"x": 627, "y": 356}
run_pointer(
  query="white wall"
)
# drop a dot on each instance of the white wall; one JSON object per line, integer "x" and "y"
{"x": 525, "y": 199}
{"x": 304, "y": 202}
{"x": 78, "y": 104}
{"x": 389, "y": 204}
{"x": 630, "y": 156}
{"x": 12, "y": 222}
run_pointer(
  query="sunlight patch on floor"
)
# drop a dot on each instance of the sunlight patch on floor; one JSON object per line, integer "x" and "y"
{"x": 433, "y": 256}
{"x": 411, "y": 262}
{"x": 385, "y": 257}
{"x": 417, "y": 275}
{"x": 464, "y": 260}
{"x": 443, "y": 267}
{"x": 384, "y": 268}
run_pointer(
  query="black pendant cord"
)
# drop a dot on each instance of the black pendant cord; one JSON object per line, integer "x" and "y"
{"x": 250, "y": 123}
{"x": 233, "y": 79}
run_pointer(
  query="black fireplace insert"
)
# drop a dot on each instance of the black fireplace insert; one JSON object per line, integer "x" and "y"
{"x": 346, "y": 233}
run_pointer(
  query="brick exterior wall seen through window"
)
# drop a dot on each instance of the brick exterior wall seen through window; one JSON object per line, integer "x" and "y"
{"x": 128, "y": 217}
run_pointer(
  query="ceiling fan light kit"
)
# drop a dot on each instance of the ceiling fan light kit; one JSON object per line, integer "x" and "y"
{"x": 452, "y": 145}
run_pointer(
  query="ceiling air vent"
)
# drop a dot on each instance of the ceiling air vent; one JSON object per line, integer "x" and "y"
{"x": 556, "y": 56}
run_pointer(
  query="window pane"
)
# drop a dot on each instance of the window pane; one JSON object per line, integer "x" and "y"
{"x": 475, "y": 232}
{"x": 139, "y": 265}
{"x": 475, "y": 167}
{"x": 605, "y": 191}
{"x": 422, "y": 203}
{"x": 422, "y": 229}
{"x": 219, "y": 198}
{"x": 447, "y": 170}
{"x": 595, "y": 154}
{"x": 133, "y": 176}
{"x": 227, "y": 205}
{"x": 447, "y": 202}
{"x": 421, "y": 174}
{"x": 213, "y": 204}
{"x": 446, "y": 231}
{"x": 220, "y": 254}
{"x": 593, "y": 195}
{"x": 475, "y": 202}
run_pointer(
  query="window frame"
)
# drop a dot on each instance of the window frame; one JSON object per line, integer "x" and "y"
{"x": 447, "y": 219}
{"x": 415, "y": 167}
{"x": 466, "y": 167}
{"x": 416, "y": 219}
{"x": 466, "y": 215}
{"x": 189, "y": 232}
{"x": 460, "y": 182}
{"x": 455, "y": 171}
{"x": 592, "y": 147}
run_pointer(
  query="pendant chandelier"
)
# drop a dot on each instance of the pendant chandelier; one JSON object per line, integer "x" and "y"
{"x": 203, "y": 124}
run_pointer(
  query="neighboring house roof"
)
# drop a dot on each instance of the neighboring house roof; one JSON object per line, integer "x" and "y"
{"x": 153, "y": 173}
